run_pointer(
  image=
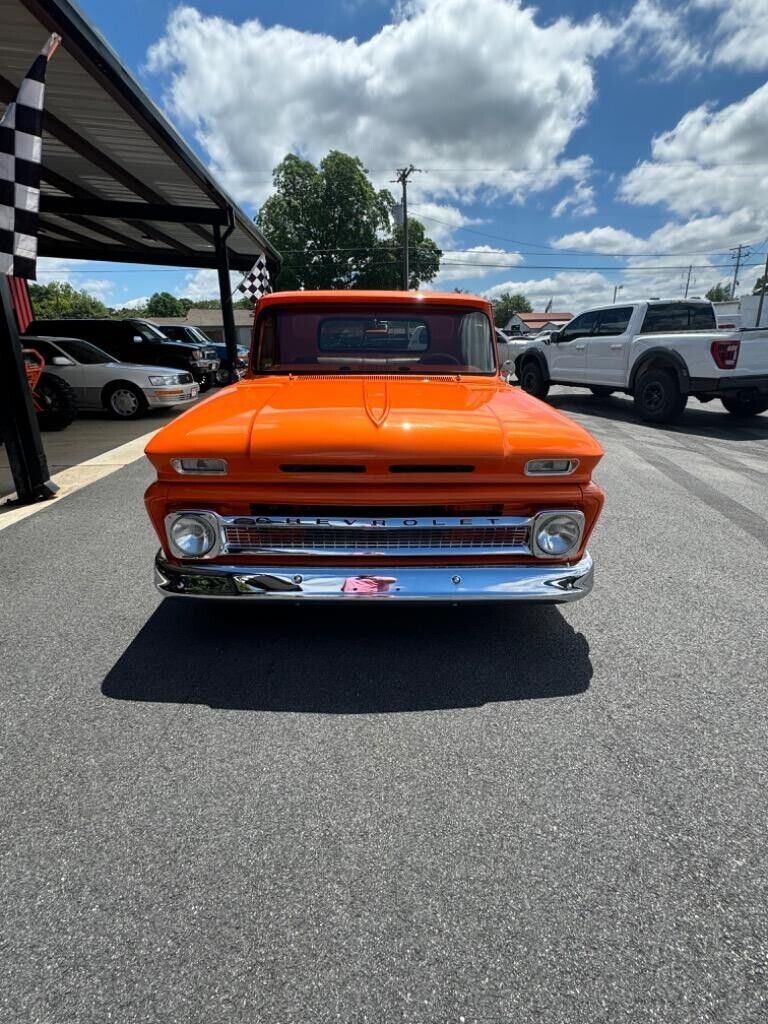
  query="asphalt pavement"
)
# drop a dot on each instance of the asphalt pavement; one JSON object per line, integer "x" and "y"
{"x": 520, "y": 814}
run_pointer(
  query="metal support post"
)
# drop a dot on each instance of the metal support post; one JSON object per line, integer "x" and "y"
{"x": 225, "y": 291}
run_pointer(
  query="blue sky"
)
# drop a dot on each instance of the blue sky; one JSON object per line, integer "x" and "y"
{"x": 562, "y": 147}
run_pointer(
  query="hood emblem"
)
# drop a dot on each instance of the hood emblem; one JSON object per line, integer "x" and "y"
{"x": 376, "y": 397}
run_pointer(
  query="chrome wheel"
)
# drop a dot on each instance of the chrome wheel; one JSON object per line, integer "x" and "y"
{"x": 126, "y": 402}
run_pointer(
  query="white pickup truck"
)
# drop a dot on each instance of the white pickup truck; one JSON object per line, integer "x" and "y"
{"x": 660, "y": 352}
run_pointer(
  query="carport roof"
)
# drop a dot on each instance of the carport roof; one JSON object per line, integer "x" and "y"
{"x": 119, "y": 183}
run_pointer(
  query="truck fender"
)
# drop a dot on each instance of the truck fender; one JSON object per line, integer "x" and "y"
{"x": 537, "y": 356}
{"x": 661, "y": 358}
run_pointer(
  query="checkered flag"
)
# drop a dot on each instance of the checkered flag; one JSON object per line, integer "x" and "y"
{"x": 21, "y": 144}
{"x": 256, "y": 281}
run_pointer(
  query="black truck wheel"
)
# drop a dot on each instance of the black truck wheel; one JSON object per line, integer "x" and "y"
{"x": 532, "y": 380}
{"x": 658, "y": 398}
{"x": 743, "y": 408}
{"x": 59, "y": 407}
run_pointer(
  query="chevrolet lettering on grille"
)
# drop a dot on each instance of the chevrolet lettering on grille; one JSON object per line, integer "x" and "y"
{"x": 387, "y": 524}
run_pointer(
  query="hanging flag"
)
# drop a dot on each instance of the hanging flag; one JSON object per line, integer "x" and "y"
{"x": 549, "y": 306}
{"x": 256, "y": 281}
{"x": 21, "y": 145}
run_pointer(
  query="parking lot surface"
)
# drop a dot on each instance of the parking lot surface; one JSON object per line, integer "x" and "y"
{"x": 387, "y": 814}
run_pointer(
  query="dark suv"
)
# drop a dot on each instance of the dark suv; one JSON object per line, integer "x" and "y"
{"x": 136, "y": 341}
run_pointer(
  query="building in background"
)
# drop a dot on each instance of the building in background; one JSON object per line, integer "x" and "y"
{"x": 527, "y": 324}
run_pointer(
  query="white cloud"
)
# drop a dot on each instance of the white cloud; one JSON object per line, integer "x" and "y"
{"x": 435, "y": 87}
{"x": 605, "y": 239}
{"x": 580, "y": 201}
{"x": 458, "y": 264}
{"x": 571, "y": 290}
{"x": 740, "y": 32}
{"x": 137, "y": 303}
{"x": 204, "y": 284}
{"x": 53, "y": 268}
{"x": 653, "y": 32}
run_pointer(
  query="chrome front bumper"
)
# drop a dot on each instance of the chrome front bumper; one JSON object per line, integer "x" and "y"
{"x": 545, "y": 582}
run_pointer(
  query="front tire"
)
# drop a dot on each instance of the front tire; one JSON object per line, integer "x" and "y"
{"x": 658, "y": 398}
{"x": 59, "y": 406}
{"x": 744, "y": 408}
{"x": 601, "y": 391}
{"x": 126, "y": 402}
{"x": 533, "y": 381}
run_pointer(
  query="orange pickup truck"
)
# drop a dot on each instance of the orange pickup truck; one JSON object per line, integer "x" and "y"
{"x": 374, "y": 451}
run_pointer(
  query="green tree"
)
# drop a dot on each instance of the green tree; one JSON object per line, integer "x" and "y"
{"x": 507, "y": 304}
{"x": 60, "y": 299}
{"x": 336, "y": 230}
{"x": 719, "y": 292}
{"x": 757, "y": 289}
{"x": 165, "y": 304}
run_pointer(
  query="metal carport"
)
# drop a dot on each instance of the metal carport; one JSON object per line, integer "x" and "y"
{"x": 118, "y": 184}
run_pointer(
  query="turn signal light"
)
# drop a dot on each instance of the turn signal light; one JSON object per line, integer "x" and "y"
{"x": 550, "y": 467}
{"x": 726, "y": 353}
{"x": 201, "y": 467}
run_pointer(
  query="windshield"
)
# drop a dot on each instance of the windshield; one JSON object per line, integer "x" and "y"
{"x": 83, "y": 351}
{"x": 147, "y": 331}
{"x": 367, "y": 339}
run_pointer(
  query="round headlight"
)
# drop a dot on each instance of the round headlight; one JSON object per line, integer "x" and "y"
{"x": 558, "y": 534}
{"x": 192, "y": 535}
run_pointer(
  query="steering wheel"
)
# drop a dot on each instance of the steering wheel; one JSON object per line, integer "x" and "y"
{"x": 440, "y": 357}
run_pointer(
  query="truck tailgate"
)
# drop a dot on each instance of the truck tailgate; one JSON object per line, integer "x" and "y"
{"x": 753, "y": 353}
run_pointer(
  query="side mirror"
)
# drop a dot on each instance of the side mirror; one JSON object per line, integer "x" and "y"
{"x": 554, "y": 337}
{"x": 137, "y": 339}
{"x": 62, "y": 361}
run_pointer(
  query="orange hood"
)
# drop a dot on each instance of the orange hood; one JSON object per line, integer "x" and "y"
{"x": 367, "y": 426}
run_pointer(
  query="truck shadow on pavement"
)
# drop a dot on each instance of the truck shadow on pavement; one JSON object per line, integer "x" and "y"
{"x": 351, "y": 660}
{"x": 696, "y": 420}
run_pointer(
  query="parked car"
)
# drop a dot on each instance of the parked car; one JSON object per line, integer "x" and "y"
{"x": 125, "y": 390}
{"x": 374, "y": 452}
{"x": 136, "y": 341}
{"x": 193, "y": 335}
{"x": 659, "y": 351}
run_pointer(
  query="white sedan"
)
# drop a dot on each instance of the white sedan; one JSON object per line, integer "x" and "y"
{"x": 125, "y": 390}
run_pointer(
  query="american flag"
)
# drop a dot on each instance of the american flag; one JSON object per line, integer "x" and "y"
{"x": 256, "y": 282}
{"x": 21, "y": 145}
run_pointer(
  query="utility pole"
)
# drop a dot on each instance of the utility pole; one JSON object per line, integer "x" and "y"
{"x": 762, "y": 294}
{"x": 403, "y": 174}
{"x": 741, "y": 251}
{"x": 616, "y": 288}
{"x": 688, "y": 281}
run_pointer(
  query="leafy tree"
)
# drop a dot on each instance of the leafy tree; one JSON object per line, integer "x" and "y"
{"x": 336, "y": 230}
{"x": 507, "y": 304}
{"x": 719, "y": 292}
{"x": 758, "y": 287}
{"x": 165, "y": 304}
{"x": 60, "y": 299}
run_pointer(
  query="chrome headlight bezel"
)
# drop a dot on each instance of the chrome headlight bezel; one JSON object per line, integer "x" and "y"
{"x": 209, "y": 523}
{"x": 543, "y": 519}
{"x": 166, "y": 380}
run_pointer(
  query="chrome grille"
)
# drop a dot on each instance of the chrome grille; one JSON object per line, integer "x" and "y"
{"x": 243, "y": 538}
